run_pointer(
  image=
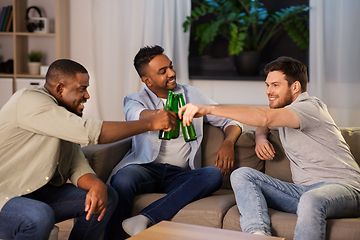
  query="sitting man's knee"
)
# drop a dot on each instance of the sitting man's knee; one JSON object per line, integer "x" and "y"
{"x": 121, "y": 183}
{"x": 113, "y": 197}
{"x": 213, "y": 173}
{"x": 242, "y": 172}
{"x": 41, "y": 217}
{"x": 311, "y": 202}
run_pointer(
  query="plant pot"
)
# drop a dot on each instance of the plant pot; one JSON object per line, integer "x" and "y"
{"x": 34, "y": 68}
{"x": 247, "y": 63}
{"x": 219, "y": 48}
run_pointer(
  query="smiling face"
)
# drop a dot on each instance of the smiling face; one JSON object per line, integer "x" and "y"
{"x": 73, "y": 94}
{"x": 279, "y": 92}
{"x": 160, "y": 76}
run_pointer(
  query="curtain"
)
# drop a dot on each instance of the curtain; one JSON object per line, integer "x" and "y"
{"x": 114, "y": 32}
{"x": 334, "y": 58}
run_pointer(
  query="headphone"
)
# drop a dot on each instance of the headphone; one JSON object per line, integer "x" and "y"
{"x": 31, "y": 26}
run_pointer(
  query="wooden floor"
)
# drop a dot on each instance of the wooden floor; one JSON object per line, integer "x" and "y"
{"x": 65, "y": 229}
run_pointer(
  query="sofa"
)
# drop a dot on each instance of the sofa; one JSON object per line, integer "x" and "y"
{"x": 219, "y": 210}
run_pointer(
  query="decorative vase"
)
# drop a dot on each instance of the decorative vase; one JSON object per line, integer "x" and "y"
{"x": 34, "y": 68}
{"x": 247, "y": 63}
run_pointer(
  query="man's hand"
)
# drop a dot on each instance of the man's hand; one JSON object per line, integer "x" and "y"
{"x": 162, "y": 119}
{"x": 191, "y": 111}
{"x": 96, "y": 199}
{"x": 264, "y": 149}
{"x": 225, "y": 157}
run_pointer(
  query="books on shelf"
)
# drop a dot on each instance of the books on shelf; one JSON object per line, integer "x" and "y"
{"x": 2, "y": 16}
{"x": 6, "y": 19}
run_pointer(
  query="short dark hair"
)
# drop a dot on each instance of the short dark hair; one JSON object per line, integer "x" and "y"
{"x": 293, "y": 69}
{"x": 144, "y": 56}
{"x": 64, "y": 68}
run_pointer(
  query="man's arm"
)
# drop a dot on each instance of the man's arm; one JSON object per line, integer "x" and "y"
{"x": 263, "y": 148}
{"x": 114, "y": 131}
{"x": 147, "y": 114}
{"x": 252, "y": 116}
{"x": 96, "y": 198}
{"x": 225, "y": 156}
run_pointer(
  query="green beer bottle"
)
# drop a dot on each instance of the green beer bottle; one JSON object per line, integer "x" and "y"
{"x": 169, "y": 100}
{"x": 175, "y": 107}
{"x": 188, "y": 131}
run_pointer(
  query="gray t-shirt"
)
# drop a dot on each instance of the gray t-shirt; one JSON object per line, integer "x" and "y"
{"x": 317, "y": 150}
{"x": 174, "y": 151}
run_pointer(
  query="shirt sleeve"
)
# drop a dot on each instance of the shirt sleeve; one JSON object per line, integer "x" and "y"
{"x": 79, "y": 165}
{"x": 132, "y": 108}
{"x": 72, "y": 164}
{"x": 308, "y": 113}
{"x": 39, "y": 113}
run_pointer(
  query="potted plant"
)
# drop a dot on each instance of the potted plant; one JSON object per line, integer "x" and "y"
{"x": 247, "y": 26}
{"x": 34, "y": 62}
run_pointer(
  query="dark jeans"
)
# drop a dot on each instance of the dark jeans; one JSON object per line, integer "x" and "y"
{"x": 33, "y": 216}
{"x": 182, "y": 187}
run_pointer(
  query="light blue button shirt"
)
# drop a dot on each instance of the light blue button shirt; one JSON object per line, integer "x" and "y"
{"x": 146, "y": 146}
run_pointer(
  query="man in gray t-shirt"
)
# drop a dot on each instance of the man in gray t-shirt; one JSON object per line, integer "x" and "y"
{"x": 325, "y": 175}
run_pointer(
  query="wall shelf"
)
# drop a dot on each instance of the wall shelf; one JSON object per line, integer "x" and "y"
{"x": 17, "y": 44}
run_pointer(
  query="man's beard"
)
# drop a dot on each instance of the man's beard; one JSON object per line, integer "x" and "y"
{"x": 287, "y": 100}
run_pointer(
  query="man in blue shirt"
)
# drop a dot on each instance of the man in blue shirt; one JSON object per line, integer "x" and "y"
{"x": 164, "y": 166}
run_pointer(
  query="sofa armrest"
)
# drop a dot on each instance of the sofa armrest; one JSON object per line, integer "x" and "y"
{"x": 104, "y": 157}
{"x": 352, "y": 138}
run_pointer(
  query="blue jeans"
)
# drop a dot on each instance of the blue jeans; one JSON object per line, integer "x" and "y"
{"x": 33, "y": 216}
{"x": 182, "y": 187}
{"x": 256, "y": 191}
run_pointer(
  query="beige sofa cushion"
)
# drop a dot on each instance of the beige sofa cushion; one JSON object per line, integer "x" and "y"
{"x": 279, "y": 167}
{"x": 244, "y": 150}
{"x": 232, "y": 219}
{"x": 344, "y": 228}
{"x": 283, "y": 224}
{"x": 208, "y": 211}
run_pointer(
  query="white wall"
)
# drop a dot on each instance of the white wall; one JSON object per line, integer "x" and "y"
{"x": 80, "y": 43}
{"x": 250, "y": 93}
{"x": 229, "y": 92}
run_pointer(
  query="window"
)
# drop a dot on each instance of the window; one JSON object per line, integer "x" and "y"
{"x": 215, "y": 62}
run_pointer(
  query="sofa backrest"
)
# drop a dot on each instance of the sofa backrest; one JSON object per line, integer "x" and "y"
{"x": 244, "y": 150}
{"x": 352, "y": 138}
{"x": 245, "y": 155}
{"x": 104, "y": 157}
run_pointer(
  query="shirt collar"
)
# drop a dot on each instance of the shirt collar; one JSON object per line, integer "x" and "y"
{"x": 44, "y": 90}
{"x": 302, "y": 96}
